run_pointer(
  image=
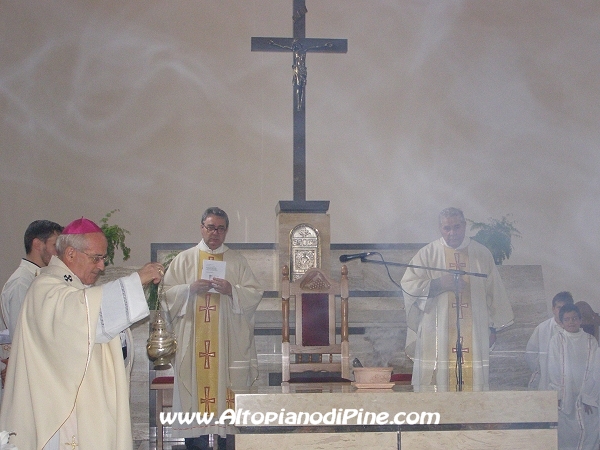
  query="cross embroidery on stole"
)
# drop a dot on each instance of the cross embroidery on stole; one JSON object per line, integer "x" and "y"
{"x": 230, "y": 399}
{"x": 464, "y": 349}
{"x": 459, "y": 260}
{"x": 207, "y": 400}
{"x": 461, "y": 306}
{"x": 72, "y": 444}
{"x": 207, "y": 354}
{"x": 207, "y": 308}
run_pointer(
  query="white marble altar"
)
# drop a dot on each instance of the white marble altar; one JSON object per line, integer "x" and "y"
{"x": 467, "y": 420}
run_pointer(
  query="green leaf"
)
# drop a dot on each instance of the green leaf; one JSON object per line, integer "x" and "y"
{"x": 115, "y": 237}
{"x": 497, "y": 236}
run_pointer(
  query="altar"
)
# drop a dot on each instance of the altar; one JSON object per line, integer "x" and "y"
{"x": 303, "y": 416}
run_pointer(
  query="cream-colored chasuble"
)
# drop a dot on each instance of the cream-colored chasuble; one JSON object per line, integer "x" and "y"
{"x": 207, "y": 343}
{"x": 459, "y": 260}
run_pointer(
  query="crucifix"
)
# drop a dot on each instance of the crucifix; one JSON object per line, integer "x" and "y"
{"x": 299, "y": 45}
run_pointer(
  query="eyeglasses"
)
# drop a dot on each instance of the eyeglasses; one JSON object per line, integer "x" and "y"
{"x": 96, "y": 258}
{"x": 211, "y": 229}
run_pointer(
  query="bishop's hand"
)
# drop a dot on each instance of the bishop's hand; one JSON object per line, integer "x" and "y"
{"x": 151, "y": 272}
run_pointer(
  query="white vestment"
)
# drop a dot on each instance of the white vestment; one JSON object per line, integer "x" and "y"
{"x": 427, "y": 318}
{"x": 570, "y": 372}
{"x": 66, "y": 367}
{"x": 13, "y": 293}
{"x": 536, "y": 353}
{"x": 238, "y": 365}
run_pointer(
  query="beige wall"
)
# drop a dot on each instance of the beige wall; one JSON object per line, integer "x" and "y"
{"x": 159, "y": 108}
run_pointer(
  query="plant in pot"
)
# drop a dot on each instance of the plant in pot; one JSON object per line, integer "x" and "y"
{"x": 497, "y": 236}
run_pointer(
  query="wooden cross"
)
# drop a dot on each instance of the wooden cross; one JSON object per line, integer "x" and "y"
{"x": 207, "y": 308}
{"x": 299, "y": 45}
{"x": 207, "y": 354}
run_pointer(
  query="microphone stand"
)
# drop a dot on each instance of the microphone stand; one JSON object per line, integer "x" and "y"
{"x": 456, "y": 275}
{"x": 459, "y": 351}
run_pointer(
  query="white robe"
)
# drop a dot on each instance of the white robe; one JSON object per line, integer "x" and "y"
{"x": 60, "y": 374}
{"x": 536, "y": 353}
{"x": 570, "y": 372}
{"x": 427, "y": 318}
{"x": 13, "y": 293}
{"x": 238, "y": 365}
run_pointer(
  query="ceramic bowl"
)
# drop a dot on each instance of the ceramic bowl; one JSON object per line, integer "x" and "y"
{"x": 372, "y": 375}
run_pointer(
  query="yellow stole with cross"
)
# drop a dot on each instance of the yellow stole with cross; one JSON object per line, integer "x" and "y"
{"x": 459, "y": 260}
{"x": 207, "y": 343}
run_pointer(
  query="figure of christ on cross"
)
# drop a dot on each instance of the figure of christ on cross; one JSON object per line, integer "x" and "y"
{"x": 300, "y": 73}
{"x": 299, "y": 45}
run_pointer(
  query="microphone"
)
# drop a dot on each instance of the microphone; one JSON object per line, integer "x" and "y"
{"x": 345, "y": 258}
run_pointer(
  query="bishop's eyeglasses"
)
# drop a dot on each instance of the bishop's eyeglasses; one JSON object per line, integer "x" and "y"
{"x": 96, "y": 258}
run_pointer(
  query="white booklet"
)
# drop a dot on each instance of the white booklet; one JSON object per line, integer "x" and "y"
{"x": 213, "y": 269}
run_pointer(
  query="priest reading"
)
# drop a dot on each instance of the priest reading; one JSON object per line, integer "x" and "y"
{"x": 214, "y": 322}
{"x": 66, "y": 383}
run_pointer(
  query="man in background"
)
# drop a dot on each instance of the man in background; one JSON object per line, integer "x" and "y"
{"x": 40, "y": 245}
{"x": 536, "y": 352}
{"x": 570, "y": 372}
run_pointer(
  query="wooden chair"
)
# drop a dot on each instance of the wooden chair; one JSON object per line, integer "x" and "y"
{"x": 164, "y": 399}
{"x": 315, "y": 328}
{"x": 401, "y": 378}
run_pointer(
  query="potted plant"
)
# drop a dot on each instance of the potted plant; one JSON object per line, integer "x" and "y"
{"x": 115, "y": 236}
{"x": 497, "y": 236}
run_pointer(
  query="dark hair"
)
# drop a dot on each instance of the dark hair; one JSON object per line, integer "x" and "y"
{"x": 214, "y": 211}
{"x": 40, "y": 229}
{"x": 568, "y": 308}
{"x": 564, "y": 296}
{"x": 451, "y": 212}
